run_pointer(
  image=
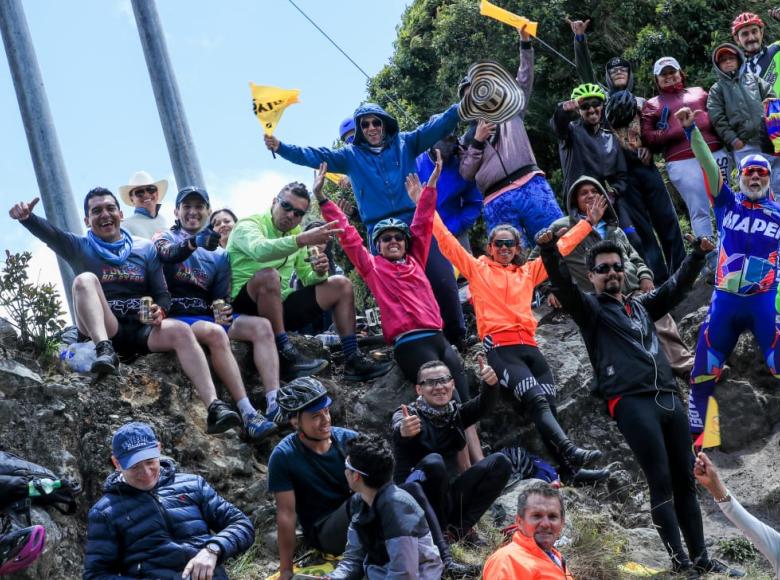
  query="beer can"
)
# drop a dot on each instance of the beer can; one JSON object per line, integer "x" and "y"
{"x": 145, "y": 312}
{"x": 218, "y": 308}
{"x": 314, "y": 253}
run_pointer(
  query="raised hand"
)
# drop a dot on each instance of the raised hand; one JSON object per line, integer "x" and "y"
{"x": 413, "y": 187}
{"x": 596, "y": 210}
{"x": 578, "y": 27}
{"x": 21, "y": 211}
{"x": 410, "y": 424}
{"x": 545, "y": 237}
{"x": 434, "y": 178}
{"x": 319, "y": 181}
{"x": 271, "y": 142}
{"x": 319, "y": 235}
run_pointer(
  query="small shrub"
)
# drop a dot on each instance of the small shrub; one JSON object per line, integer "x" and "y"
{"x": 738, "y": 549}
{"x": 35, "y": 310}
{"x": 596, "y": 551}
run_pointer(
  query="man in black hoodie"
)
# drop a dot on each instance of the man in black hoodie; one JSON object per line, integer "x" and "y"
{"x": 647, "y": 200}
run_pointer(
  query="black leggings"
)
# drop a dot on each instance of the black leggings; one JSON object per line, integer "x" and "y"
{"x": 521, "y": 368}
{"x": 656, "y": 429}
{"x": 413, "y": 354}
{"x": 461, "y": 502}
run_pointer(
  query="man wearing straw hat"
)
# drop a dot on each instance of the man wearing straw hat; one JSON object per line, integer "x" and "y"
{"x": 144, "y": 194}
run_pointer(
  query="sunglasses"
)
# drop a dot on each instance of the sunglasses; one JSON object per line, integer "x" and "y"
{"x": 504, "y": 243}
{"x": 150, "y": 189}
{"x": 604, "y": 268}
{"x": 371, "y": 123}
{"x": 350, "y": 467}
{"x": 594, "y": 104}
{"x": 761, "y": 171}
{"x": 615, "y": 69}
{"x": 392, "y": 238}
{"x": 288, "y": 207}
{"x": 436, "y": 381}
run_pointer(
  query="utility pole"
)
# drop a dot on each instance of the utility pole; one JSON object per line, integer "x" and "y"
{"x": 42, "y": 139}
{"x": 181, "y": 149}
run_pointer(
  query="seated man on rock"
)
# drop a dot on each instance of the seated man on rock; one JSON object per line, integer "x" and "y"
{"x": 531, "y": 553}
{"x": 154, "y": 522}
{"x": 197, "y": 272}
{"x": 388, "y": 536}
{"x": 264, "y": 250}
{"x": 307, "y": 477}
{"x": 113, "y": 272}
{"x": 427, "y": 436}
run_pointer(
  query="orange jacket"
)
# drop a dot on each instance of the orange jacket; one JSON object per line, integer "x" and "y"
{"x": 522, "y": 559}
{"x": 502, "y": 294}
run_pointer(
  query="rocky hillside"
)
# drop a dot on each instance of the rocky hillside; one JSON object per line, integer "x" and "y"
{"x": 64, "y": 420}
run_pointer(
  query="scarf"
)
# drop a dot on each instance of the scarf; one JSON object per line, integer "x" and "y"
{"x": 439, "y": 416}
{"x": 115, "y": 253}
{"x": 144, "y": 211}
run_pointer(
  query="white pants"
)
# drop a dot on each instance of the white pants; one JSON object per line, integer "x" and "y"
{"x": 688, "y": 179}
{"x": 755, "y": 150}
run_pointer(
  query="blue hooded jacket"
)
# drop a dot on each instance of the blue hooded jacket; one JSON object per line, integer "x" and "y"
{"x": 378, "y": 178}
{"x": 153, "y": 534}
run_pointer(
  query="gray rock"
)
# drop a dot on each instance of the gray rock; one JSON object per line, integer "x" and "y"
{"x": 8, "y": 334}
{"x": 14, "y": 376}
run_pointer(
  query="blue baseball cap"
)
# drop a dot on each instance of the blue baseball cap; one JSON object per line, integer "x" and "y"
{"x": 134, "y": 442}
{"x": 185, "y": 192}
{"x": 318, "y": 405}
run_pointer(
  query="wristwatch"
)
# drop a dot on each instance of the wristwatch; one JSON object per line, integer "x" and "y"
{"x": 214, "y": 548}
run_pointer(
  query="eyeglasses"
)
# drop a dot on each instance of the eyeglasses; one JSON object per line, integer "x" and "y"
{"x": 594, "y": 104}
{"x": 604, "y": 268}
{"x": 349, "y": 466}
{"x": 139, "y": 192}
{"x": 288, "y": 207}
{"x": 504, "y": 243}
{"x": 392, "y": 238}
{"x": 371, "y": 123}
{"x": 436, "y": 381}
{"x": 761, "y": 171}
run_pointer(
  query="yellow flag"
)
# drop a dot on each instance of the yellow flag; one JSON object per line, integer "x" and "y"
{"x": 334, "y": 178}
{"x": 269, "y": 103}
{"x": 507, "y": 17}
{"x": 711, "y": 425}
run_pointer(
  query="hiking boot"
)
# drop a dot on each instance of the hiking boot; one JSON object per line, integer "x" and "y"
{"x": 258, "y": 427}
{"x": 718, "y": 567}
{"x": 292, "y": 364}
{"x": 456, "y": 570}
{"x": 221, "y": 418}
{"x": 577, "y": 457}
{"x": 686, "y": 570}
{"x": 359, "y": 367}
{"x": 586, "y": 476}
{"x": 106, "y": 361}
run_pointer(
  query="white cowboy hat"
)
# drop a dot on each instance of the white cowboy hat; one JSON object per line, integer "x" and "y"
{"x": 139, "y": 179}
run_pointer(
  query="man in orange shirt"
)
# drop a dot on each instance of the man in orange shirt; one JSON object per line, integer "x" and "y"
{"x": 531, "y": 555}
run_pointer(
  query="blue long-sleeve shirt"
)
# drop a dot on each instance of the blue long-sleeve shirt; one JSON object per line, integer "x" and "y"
{"x": 459, "y": 200}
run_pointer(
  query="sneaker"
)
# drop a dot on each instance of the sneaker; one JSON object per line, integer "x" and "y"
{"x": 294, "y": 365}
{"x": 106, "y": 361}
{"x": 685, "y": 570}
{"x": 718, "y": 567}
{"x": 258, "y": 427}
{"x": 275, "y": 415}
{"x": 359, "y": 367}
{"x": 221, "y": 418}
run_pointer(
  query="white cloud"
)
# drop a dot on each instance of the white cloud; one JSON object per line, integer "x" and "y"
{"x": 248, "y": 195}
{"x": 45, "y": 268}
{"x": 125, "y": 9}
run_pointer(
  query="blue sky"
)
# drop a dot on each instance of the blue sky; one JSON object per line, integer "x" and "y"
{"x": 104, "y": 111}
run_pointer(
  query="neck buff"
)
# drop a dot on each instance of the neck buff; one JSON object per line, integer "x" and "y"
{"x": 115, "y": 253}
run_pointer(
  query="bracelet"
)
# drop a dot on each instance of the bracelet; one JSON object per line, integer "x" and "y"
{"x": 723, "y": 499}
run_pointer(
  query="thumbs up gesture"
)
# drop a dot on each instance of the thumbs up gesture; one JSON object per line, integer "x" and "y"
{"x": 410, "y": 424}
{"x": 21, "y": 211}
{"x": 486, "y": 372}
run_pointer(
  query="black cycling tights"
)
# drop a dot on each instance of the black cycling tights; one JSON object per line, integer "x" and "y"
{"x": 522, "y": 369}
{"x": 656, "y": 428}
{"x": 413, "y": 354}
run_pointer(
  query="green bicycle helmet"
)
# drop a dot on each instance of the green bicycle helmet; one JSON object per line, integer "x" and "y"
{"x": 587, "y": 91}
{"x": 390, "y": 224}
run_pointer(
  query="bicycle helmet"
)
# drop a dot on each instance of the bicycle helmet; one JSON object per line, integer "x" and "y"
{"x": 621, "y": 109}
{"x": 390, "y": 224}
{"x": 21, "y": 548}
{"x": 586, "y": 91}
{"x": 303, "y": 394}
{"x": 745, "y": 19}
{"x": 345, "y": 127}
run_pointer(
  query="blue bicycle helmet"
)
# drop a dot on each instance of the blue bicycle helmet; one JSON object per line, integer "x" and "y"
{"x": 345, "y": 127}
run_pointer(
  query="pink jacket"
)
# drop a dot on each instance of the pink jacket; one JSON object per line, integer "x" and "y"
{"x": 671, "y": 142}
{"x": 401, "y": 289}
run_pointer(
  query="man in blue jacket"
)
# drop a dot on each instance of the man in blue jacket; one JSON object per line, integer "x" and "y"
{"x": 377, "y": 163}
{"x": 153, "y": 522}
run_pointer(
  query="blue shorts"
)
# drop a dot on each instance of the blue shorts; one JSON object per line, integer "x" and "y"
{"x": 197, "y": 318}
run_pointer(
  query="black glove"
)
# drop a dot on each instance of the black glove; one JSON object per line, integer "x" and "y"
{"x": 697, "y": 250}
{"x": 207, "y": 239}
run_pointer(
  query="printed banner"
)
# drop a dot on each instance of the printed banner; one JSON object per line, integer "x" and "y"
{"x": 268, "y": 104}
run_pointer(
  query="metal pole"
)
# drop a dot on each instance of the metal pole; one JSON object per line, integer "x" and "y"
{"x": 181, "y": 149}
{"x": 42, "y": 139}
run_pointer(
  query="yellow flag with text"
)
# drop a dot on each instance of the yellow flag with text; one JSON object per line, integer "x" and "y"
{"x": 507, "y": 17}
{"x": 711, "y": 435}
{"x": 268, "y": 104}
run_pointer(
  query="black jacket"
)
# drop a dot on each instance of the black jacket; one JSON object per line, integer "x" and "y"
{"x": 620, "y": 335}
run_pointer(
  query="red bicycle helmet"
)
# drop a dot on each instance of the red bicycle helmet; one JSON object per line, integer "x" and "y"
{"x": 745, "y": 19}
{"x": 21, "y": 548}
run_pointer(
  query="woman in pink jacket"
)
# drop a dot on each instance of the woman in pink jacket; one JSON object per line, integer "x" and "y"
{"x": 662, "y": 133}
{"x": 396, "y": 277}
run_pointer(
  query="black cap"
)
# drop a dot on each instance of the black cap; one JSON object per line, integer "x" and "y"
{"x": 185, "y": 192}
